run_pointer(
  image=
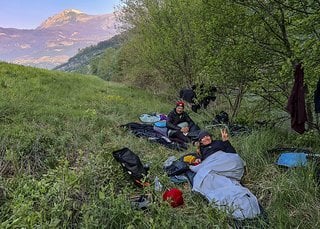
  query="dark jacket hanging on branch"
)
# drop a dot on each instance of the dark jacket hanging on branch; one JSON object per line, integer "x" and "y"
{"x": 296, "y": 103}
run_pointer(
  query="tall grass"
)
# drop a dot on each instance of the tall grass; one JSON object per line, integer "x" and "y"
{"x": 57, "y": 135}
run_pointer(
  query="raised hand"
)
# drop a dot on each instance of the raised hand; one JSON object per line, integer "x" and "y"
{"x": 224, "y": 134}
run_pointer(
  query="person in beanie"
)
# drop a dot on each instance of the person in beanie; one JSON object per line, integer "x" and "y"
{"x": 206, "y": 146}
{"x": 218, "y": 177}
{"x": 180, "y": 124}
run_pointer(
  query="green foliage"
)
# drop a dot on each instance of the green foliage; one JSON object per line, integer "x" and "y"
{"x": 308, "y": 139}
{"x": 284, "y": 193}
{"x": 82, "y": 61}
{"x": 105, "y": 66}
{"x": 163, "y": 37}
{"x": 50, "y": 201}
{"x": 58, "y": 132}
{"x": 243, "y": 47}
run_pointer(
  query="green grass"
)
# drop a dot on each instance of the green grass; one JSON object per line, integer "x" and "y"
{"x": 57, "y": 133}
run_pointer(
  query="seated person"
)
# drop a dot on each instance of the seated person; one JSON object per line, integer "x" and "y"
{"x": 180, "y": 125}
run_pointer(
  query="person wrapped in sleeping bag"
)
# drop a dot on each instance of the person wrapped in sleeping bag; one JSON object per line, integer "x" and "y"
{"x": 217, "y": 177}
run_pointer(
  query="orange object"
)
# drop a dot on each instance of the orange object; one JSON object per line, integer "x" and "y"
{"x": 141, "y": 184}
{"x": 189, "y": 159}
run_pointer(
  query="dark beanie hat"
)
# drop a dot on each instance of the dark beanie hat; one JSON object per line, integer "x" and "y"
{"x": 202, "y": 133}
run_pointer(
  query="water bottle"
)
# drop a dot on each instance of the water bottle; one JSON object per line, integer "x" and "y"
{"x": 157, "y": 184}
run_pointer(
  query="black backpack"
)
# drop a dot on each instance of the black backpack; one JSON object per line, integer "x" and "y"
{"x": 132, "y": 165}
{"x": 221, "y": 118}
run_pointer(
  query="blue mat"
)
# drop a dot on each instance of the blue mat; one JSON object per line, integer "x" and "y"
{"x": 292, "y": 159}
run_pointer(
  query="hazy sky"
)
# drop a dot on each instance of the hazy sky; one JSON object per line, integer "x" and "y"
{"x": 29, "y": 14}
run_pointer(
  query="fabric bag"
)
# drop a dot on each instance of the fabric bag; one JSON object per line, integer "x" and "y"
{"x": 176, "y": 168}
{"x": 131, "y": 164}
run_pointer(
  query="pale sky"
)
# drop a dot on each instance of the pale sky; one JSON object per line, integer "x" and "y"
{"x": 29, "y": 14}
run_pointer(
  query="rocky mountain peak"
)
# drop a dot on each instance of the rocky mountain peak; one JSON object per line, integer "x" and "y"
{"x": 65, "y": 17}
{"x": 57, "y": 39}
{"x": 71, "y": 11}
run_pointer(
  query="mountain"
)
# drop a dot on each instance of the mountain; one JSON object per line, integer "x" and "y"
{"x": 56, "y": 39}
{"x": 80, "y": 63}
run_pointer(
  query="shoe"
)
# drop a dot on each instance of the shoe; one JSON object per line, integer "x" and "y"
{"x": 140, "y": 202}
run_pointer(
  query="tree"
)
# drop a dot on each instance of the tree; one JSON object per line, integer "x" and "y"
{"x": 165, "y": 36}
{"x": 242, "y": 46}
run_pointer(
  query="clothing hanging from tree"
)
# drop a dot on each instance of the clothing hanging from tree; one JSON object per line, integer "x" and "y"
{"x": 317, "y": 98}
{"x": 296, "y": 103}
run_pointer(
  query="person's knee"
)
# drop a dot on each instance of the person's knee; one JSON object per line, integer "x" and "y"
{"x": 171, "y": 133}
{"x": 183, "y": 124}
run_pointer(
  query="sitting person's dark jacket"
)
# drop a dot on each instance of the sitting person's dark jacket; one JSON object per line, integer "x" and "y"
{"x": 179, "y": 123}
{"x": 173, "y": 119}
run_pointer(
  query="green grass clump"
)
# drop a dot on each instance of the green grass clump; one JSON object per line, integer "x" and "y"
{"x": 57, "y": 135}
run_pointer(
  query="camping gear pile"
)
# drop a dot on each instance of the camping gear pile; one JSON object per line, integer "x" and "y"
{"x": 218, "y": 178}
{"x": 153, "y": 128}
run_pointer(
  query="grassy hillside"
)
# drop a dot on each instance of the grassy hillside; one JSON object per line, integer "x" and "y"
{"x": 57, "y": 133}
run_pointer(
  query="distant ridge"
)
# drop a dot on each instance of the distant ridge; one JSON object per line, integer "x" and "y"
{"x": 80, "y": 63}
